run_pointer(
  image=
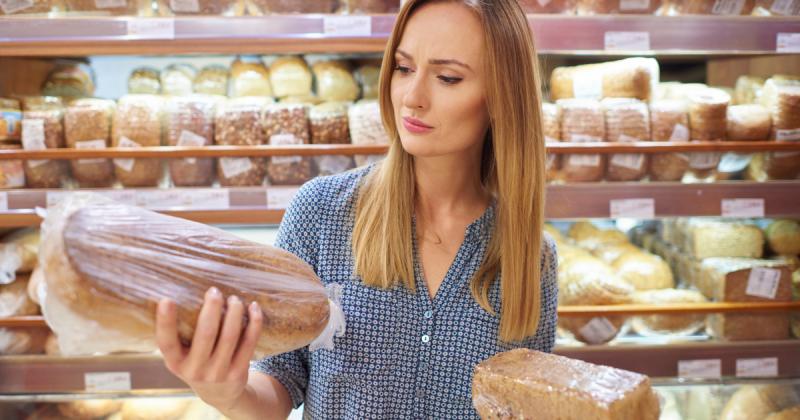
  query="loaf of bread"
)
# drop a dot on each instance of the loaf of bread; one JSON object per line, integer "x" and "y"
{"x": 669, "y": 121}
{"x": 107, "y": 265}
{"x": 372, "y": 6}
{"x": 528, "y": 384}
{"x": 594, "y": 241}
{"x": 628, "y": 78}
{"x": 747, "y": 90}
{"x": 190, "y": 123}
{"x": 366, "y": 128}
{"x": 728, "y": 279}
{"x": 610, "y": 252}
{"x": 154, "y": 408}
{"x": 287, "y": 125}
{"x": 709, "y": 238}
{"x": 19, "y": 251}
{"x": 554, "y": 6}
{"x": 368, "y": 78}
{"x": 249, "y": 77}
{"x": 89, "y": 409}
{"x": 14, "y": 299}
{"x": 43, "y": 128}
{"x": 582, "y": 120}
{"x": 334, "y": 81}
{"x": 783, "y": 237}
{"x": 613, "y": 7}
{"x": 137, "y": 123}
{"x": 748, "y": 123}
{"x": 582, "y": 229}
{"x": 144, "y": 80}
{"x": 643, "y": 271}
{"x": 211, "y": 80}
{"x": 668, "y": 324}
{"x": 177, "y": 79}
{"x": 748, "y": 327}
{"x": 239, "y": 122}
{"x": 627, "y": 120}
{"x": 708, "y": 111}
{"x": 551, "y": 125}
{"x": 774, "y": 165}
{"x": 290, "y": 76}
{"x": 87, "y": 125}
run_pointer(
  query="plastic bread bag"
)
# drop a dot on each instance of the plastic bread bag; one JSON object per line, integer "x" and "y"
{"x": 287, "y": 125}
{"x": 627, "y": 120}
{"x": 366, "y": 128}
{"x": 582, "y": 120}
{"x": 201, "y": 7}
{"x": 87, "y": 125}
{"x": 635, "y": 77}
{"x": 43, "y": 128}
{"x": 18, "y": 254}
{"x": 669, "y": 121}
{"x": 239, "y": 123}
{"x": 107, "y": 265}
{"x": 190, "y": 122}
{"x": 137, "y": 123}
{"x": 708, "y": 116}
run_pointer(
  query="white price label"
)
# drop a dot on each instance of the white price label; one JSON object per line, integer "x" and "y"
{"x": 209, "y": 199}
{"x": 347, "y": 25}
{"x": 107, "y": 381}
{"x": 783, "y": 7}
{"x": 588, "y": 86}
{"x": 700, "y": 369}
{"x": 13, "y": 6}
{"x": 33, "y": 139}
{"x": 787, "y": 135}
{"x": 285, "y": 140}
{"x": 190, "y": 139}
{"x": 742, "y": 207}
{"x": 630, "y": 161}
{"x": 634, "y": 5}
{"x": 111, "y": 4}
{"x": 636, "y": 208}
{"x": 627, "y": 41}
{"x": 598, "y": 330}
{"x": 151, "y": 28}
{"x": 3, "y": 201}
{"x": 91, "y": 144}
{"x": 126, "y": 164}
{"x": 766, "y": 367}
{"x": 232, "y": 167}
{"x": 185, "y": 6}
{"x": 788, "y": 43}
{"x": 278, "y": 198}
{"x": 680, "y": 133}
{"x": 728, "y": 7}
{"x": 584, "y": 160}
{"x": 544, "y": 3}
{"x": 763, "y": 282}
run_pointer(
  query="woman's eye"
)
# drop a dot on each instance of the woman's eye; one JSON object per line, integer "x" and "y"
{"x": 402, "y": 69}
{"x": 450, "y": 80}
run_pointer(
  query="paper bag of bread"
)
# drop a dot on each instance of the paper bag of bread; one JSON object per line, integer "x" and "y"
{"x": 107, "y": 265}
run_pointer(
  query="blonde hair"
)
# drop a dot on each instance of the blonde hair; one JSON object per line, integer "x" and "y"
{"x": 512, "y": 168}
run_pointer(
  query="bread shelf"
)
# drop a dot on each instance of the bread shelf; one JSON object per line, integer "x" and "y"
{"x": 572, "y": 35}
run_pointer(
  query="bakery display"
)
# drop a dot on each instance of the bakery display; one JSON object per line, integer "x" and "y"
{"x": 137, "y": 122}
{"x": 628, "y": 78}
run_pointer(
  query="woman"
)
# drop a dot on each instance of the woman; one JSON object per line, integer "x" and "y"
{"x": 417, "y": 243}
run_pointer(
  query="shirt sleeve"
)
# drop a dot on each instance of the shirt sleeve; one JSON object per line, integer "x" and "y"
{"x": 297, "y": 234}
{"x": 545, "y": 337}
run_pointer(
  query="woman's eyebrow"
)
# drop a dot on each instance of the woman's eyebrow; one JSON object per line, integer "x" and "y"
{"x": 435, "y": 61}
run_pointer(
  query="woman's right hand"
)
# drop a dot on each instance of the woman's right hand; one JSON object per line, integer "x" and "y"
{"x": 216, "y": 365}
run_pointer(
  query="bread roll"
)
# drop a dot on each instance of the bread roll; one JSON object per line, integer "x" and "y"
{"x": 669, "y": 121}
{"x": 747, "y": 90}
{"x": 643, "y": 271}
{"x": 582, "y": 120}
{"x": 89, "y": 409}
{"x": 190, "y": 122}
{"x": 627, "y": 120}
{"x": 527, "y": 384}
{"x": 582, "y": 230}
{"x": 783, "y": 237}
{"x": 628, "y": 78}
{"x": 668, "y": 324}
{"x": 87, "y": 125}
{"x": 290, "y": 76}
{"x": 108, "y": 265}
{"x": 712, "y": 238}
{"x": 154, "y": 408}
{"x": 551, "y": 125}
{"x": 554, "y": 6}
{"x": 137, "y": 123}
{"x": 14, "y": 299}
{"x": 613, "y": 7}
{"x": 748, "y": 123}
{"x": 334, "y": 82}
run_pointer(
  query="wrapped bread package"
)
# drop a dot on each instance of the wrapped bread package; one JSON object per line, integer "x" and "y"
{"x": 87, "y": 125}
{"x": 551, "y": 125}
{"x": 190, "y": 122}
{"x": 144, "y": 80}
{"x": 137, "y": 123}
{"x": 582, "y": 120}
{"x": 366, "y": 128}
{"x": 669, "y": 121}
{"x": 27, "y": 7}
{"x": 747, "y": 90}
{"x": 748, "y": 123}
{"x": 334, "y": 81}
{"x": 249, "y": 77}
{"x": 287, "y": 125}
{"x": 527, "y": 384}
{"x": 107, "y": 265}
{"x": 613, "y": 7}
{"x": 14, "y": 299}
{"x": 16, "y": 341}
{"x": 238, "y": 122}
{"x": 629, "y": 78}
{"x": 211, "y": 80}
{"x": 708, "y": 113}
{"x": 43, "y": 128}
{"x": 627, "y": 120}
{"x": 783, "y": 237}
{"x": 781, "y": 96}
{"x": 177, "y": 79}
{"x": 290, "y": 76}
{"x": 643, "y": 271}
{"x": 71, "y": 80}
{"x": 328, "y": 125}
{"x": 651, "y": 325}
{"x": 201, "y": 7}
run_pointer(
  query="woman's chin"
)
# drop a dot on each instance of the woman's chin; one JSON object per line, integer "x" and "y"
{"x": 420, "y": 146}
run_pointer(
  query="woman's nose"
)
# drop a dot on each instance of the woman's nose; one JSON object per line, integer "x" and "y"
{"x": 416, "y": 95}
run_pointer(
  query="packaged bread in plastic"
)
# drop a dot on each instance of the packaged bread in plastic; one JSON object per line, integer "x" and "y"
{"x": 22, "y": 340}
{"x": 201, "y": 7}
{"x": 249, "y": 77}
{"x": 708, "y": 113}
{"x": 783, "y": 237}
{"x": 747, "y": 89}
{"x": 239, "y": 123}
{"x": 108, "y": 7}
{"x": 107, "y": 265}
{"x": 19, "y": 251}
{"x": 782, "y": 100}
{"x": 651, "y": 325}
{"x": 627, "y": 120}
{"x": 190, "y": 122}
{"x": 669, "y": 121}
{"x": 748, "y": 123}
{"x": 14, "y": 299}
{"x": 776, "y": 8}
{"x": 137, "y": 123}
{"x": 528, "y": 384}
{"x": 551, "y": 125}
{"x": 70, "y": 80}
{"x": 629, "y": 78}
{"x": 43, "y": 128}
{"x": 211, "y": 80}
{"x": 87, "y": 125}
{"x": 366, "y": 128}
{"x": 12, "y": 173}
{"x": 10, "y": 119}
{"x": 27, "y": 7}
{"x": 709, "y": 7}
{"x": 368, "y": 77}
{"x": 372, "y": 6}
{"x": 89, "y": 409}
{"x": 287, "y": 125}
{"x": 328, "y": 123}
{"x": 545, "y": 6}
{"x": 334, "y": 81}
{"x": 265, "y": 7}
{"x": 614, "y": 7}
{"x": 582, "y": 120}
{"x": 144, "y": 80}
{"x": 177, "y": 79}
{"x": 290, "y": 76}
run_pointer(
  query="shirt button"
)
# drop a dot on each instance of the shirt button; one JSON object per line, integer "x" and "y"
{"x": 428, "y": 314}
{"x": 426, "y": 338}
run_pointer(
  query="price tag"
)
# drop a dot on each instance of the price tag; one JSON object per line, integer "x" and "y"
{"x": 190, "y": 139}
{"x": 627, "y": 41}
{"x": 13, "y": 6}
{"x": 110, "y": 4}
{"x": 634, "y": 5}
{"x": 636, "y": 208}
{"x": 91, "y": 144}
{"x": 107, "y": 381}
{"x": 347, "y": 25}
{"x": 700, "y": 369}
{"x": 766, "y": 367}
{"x": 3, "y": 201}
{"x": 588, "y": 86}
{"x": 208, "y": 199}
{"x": 598, "y": 330}
{"x": 151, "y": 28}
{"x": 33, "y": 138}
{"x": 630, "y": 161}
{"x": 584, "y": 160}
{"x": 278, "y": 198}
{"x": 763, "y": 282}
{"x": 788, "y": 43}
{"x": 742, "y": 207}
{"x": 126, "y": 164}
{"x": 232, "y": 167}
{"x": 787, "y": 135}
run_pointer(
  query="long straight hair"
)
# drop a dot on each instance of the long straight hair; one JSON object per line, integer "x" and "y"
{"x": 512, "y": 168}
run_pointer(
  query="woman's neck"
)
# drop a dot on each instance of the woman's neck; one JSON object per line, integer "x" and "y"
{"x": 447, "y": 187}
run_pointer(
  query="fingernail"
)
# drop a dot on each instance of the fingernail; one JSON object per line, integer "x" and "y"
{"x": 213, "y": 292}
{"x": 254, "y": 307}
{"x": 232, "y": 299}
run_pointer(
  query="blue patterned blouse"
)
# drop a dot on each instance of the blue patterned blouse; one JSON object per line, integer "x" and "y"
{"x": 403, "y": 355}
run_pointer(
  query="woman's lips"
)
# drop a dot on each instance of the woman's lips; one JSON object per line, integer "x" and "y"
{"x": 415, "y": 126}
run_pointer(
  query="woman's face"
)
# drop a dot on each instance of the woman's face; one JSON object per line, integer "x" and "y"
{"x": 438, "y": 88}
